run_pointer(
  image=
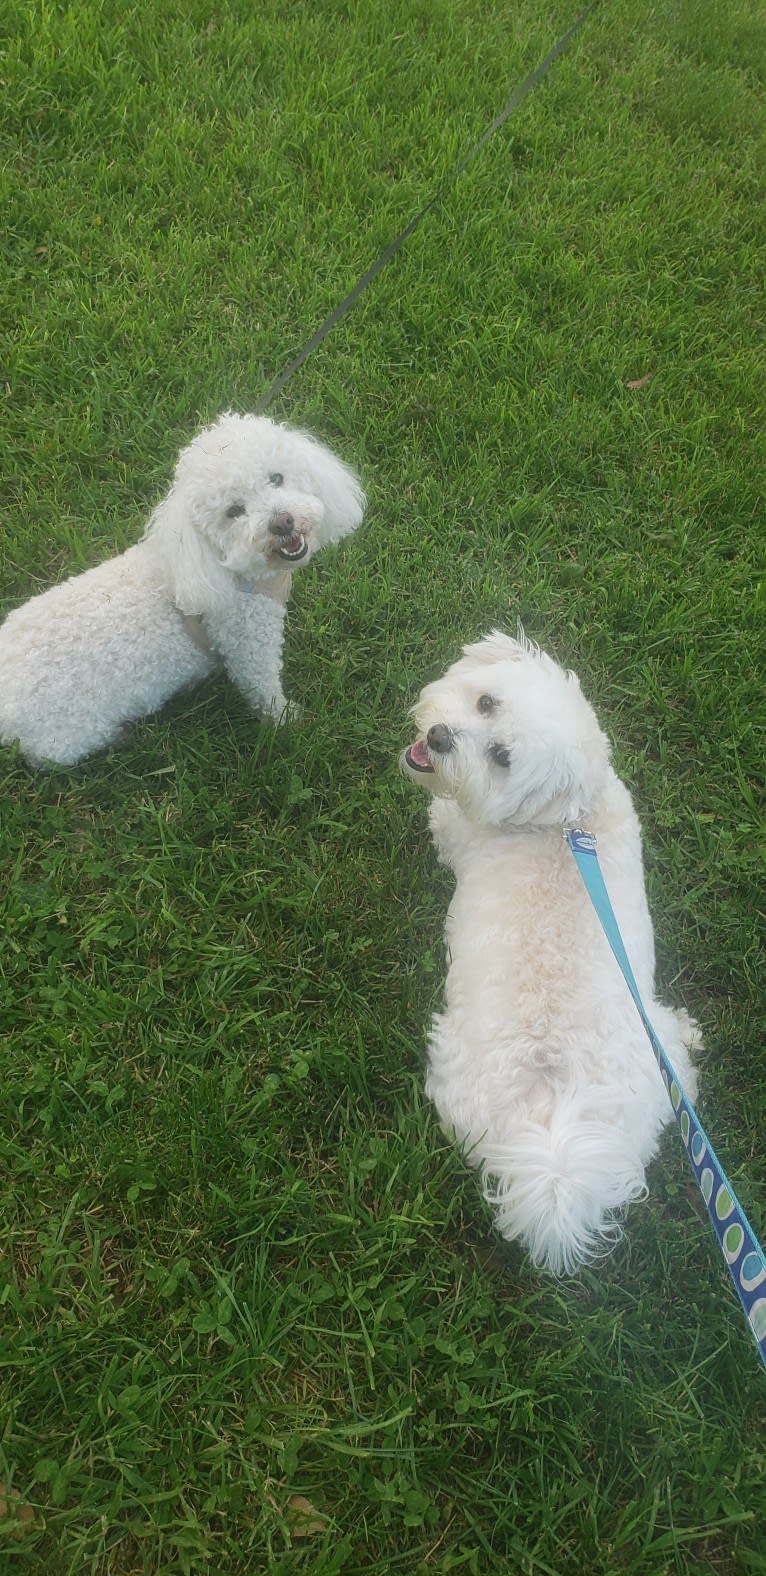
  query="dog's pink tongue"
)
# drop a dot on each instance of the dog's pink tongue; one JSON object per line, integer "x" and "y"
{"x": 419, "y": 753}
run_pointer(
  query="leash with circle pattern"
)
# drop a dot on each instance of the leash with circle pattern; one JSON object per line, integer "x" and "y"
{"x": 739, "y": 1245}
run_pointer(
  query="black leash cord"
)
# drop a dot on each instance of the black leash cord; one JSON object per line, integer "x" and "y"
{"x": 517, "y": 97}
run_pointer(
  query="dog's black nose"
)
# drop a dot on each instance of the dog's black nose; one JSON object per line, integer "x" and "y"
{"x": 439, "y": 738}
{"x": 282, "y": 525}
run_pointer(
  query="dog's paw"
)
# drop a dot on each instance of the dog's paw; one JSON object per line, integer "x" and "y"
{"x": 282, "y": 711}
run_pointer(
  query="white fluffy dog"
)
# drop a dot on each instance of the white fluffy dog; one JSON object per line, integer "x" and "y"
{"x": 207, "y": 585}
{"x": 539, "y": 1064}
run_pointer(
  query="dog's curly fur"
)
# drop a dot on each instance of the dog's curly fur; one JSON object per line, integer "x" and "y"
{"x": 539, "y": 1063}
{"x": 206, "y": 585}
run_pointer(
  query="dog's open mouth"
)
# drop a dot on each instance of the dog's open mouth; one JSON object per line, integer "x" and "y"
{"x": 294, "y": 549}
{"x": 417, "y": 757}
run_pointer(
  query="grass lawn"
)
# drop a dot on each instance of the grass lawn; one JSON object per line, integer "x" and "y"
{"x": 253, "y": 1314}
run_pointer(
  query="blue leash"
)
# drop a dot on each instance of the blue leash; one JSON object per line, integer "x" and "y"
{"x": 738, "y": 1243}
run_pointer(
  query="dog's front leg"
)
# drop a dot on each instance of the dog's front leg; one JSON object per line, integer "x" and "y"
{"x": 248, "y": 633}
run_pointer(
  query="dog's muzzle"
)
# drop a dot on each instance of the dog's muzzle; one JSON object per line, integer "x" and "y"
{"x": 290, "y": 544}
{"x": 439, "y": 740}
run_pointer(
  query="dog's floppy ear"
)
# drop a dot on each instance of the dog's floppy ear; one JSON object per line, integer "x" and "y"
{"x": 337, "y": 486}
{"x": 560, "y": 761}
{"x": 195, "y": 579}
{"x": 552, "y": 789}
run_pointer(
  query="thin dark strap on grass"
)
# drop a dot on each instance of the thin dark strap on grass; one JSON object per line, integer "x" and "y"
{"x": 517, "y": 97}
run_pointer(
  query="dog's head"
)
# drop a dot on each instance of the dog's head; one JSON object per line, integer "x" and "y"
{"x": 250, "y": 500}
{"x": 509, "y": 735}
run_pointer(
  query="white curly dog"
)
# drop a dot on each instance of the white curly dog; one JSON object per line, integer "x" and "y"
{"x": 207, "y": 585}
{"x": 539, "y": 1064}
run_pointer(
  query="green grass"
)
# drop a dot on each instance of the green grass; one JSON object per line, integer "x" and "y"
{"x": 240, "y": 1262}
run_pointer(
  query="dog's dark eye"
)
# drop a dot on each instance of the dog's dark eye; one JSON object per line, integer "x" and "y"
{"x": 234, "y": 511}
{"x": 500, "y": 755}
{"x": 486, "y": 703}
{"x": 276, "y": 478}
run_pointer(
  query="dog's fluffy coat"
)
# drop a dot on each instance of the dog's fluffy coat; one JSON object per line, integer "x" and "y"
{"x": 206, "y": 585}
{"x": 539, "y": 1063}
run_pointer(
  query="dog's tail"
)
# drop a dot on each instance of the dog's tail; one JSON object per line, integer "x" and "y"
{"x": 557, "y": 1186}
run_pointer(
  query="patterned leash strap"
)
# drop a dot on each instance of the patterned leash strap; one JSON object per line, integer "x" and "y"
{"x": 739, "y": 1245}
